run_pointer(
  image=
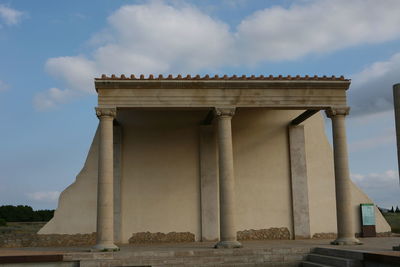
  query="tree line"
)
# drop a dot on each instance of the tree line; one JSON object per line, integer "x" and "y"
{"x": 23, "y": 213}
{"x": 392, "y": 210}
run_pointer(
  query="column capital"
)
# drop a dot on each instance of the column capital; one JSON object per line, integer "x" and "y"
{"x": 106, "y": 112}
{"x": 333, "y": 111}
{"x": 224, "y": 112}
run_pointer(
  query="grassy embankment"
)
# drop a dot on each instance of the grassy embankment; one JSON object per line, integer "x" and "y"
{"x": 394, "y": 221}
{"x": 21, "y": 227}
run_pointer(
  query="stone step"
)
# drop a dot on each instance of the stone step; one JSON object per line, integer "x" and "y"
{"x": 226, "y": 260}
{"x": 313, "y": 264}
{"x": 348, "y": 254}
{"x": 276, "y": 256}
{"x": 331, "y": 260}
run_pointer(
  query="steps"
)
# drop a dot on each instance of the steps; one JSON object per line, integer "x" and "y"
{"x": 328, "y": 257}
{"x": 245, "y": 257}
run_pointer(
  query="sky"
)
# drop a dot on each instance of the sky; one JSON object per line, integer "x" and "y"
{"x": 50, "y": 51}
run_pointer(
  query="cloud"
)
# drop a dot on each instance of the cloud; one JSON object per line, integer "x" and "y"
{"x": 10, "y": 16}
{"x": 77, "y": 72}
{"x": 153, "y": 38}
{"x": 383, "y": 188}
{"x": 321, "y": 26}
{"x": 161, "y": 38}
{"x": 48, "y": 196}
{"x": 371, "y": 89}
{"x": 51, "y": 98}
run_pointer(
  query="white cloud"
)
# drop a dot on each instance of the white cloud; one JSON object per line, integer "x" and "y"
{"x": 160, "y": 38}
{"x": 9, "y": 15}
{"x": 372, "y": 88}
{"x": 179, "y": 38}
{"x": 383, "y": 188}
{"x": 48, "y": 196}
{"x": 51, "y": 98}
{"x": 152, "y": 38}
{"x": 317, "y": 26}
{"x": 77, "y": 72}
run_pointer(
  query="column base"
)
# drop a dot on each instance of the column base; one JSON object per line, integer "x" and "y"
{"x": 105, "y": 247}
{"x": 228, "y": 244}
{"x": 343, "y": 241}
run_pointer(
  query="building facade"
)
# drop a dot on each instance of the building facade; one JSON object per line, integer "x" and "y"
{"x": 214, "y": 159}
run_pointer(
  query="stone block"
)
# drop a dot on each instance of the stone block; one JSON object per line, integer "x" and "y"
{"x": 264, "y": 234}
{"x": 293, "y": 257}
{"x": 171, "y": 237}
{"x": 184, "y": 253}
{"x": 281, "y": 251}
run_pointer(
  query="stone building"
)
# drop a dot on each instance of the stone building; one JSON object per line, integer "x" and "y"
{"x": 213, "y": 159}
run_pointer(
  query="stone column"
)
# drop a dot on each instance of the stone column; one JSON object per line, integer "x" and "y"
{"x": 105, "y": 185}
{"x": 396, "y": 102}
{"x": 344, "y": 209}
{"x": 228, "y": 237}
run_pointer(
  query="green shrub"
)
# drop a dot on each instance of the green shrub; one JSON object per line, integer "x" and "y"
{"x": 3, "y": 222}
{"x": 23, "y": 213}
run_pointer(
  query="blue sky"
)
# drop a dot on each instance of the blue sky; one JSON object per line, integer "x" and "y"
{"x": 51, "y": 50}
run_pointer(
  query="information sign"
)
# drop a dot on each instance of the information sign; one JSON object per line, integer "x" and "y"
{"x": 368, "y": 214}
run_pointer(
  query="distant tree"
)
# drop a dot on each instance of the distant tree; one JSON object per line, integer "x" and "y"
{"x": 391, "y": 210}
{"x": 23, "y": 213}
{"x": 45, "y": 215}
{"x": 397, "y": 209}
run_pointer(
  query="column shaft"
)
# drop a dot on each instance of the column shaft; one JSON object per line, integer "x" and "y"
{"x": 226, "y": 181}
{"x": 344, "y": 207}
{"x": 105, "y": 187}
{"x": 396, "y": 102}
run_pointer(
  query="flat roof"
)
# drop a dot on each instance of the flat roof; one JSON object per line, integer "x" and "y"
{"x": 224, "y": 77}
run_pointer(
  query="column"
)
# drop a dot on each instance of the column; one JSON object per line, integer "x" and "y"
{"x": 228, "y": 237}
{"x": 344, "y": 208}
{"x": 396, "y": 102}
{"x": 299, "y": 182}
{"x": 105, "y": 186}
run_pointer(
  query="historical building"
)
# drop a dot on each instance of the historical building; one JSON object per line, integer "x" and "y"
{"x": 214, "y": 159}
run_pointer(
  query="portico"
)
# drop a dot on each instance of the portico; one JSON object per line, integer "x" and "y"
{"x": 220, "y": 97}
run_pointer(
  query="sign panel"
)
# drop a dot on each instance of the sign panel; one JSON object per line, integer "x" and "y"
{"x": 367, "y": 214}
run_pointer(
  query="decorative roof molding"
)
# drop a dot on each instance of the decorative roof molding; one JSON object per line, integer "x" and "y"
{"x": 224, "y": 77}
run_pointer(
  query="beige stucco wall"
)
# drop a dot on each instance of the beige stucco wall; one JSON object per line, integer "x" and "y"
{"x": 160, "y": 172}
{"x": 321, "y": 179}
{"x": 261, "y": 162}
{"x": 160, "y": 184}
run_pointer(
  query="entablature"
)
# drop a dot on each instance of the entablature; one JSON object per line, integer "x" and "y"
{"x": 270, "y": 92}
